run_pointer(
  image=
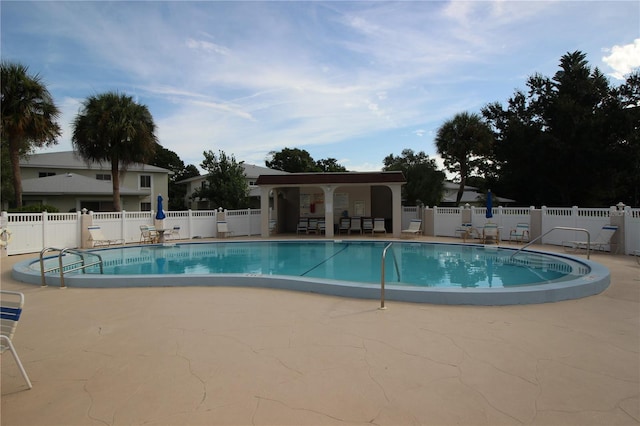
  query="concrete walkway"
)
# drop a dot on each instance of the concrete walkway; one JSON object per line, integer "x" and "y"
{"x": 234, "y": 356}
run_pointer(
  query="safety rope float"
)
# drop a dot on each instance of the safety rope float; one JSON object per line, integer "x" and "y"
{"x": 5, "y": 236}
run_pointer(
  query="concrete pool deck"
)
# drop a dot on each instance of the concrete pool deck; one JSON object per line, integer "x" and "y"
{"x": 242, "y": 356}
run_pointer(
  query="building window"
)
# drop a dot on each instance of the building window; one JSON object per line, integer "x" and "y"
{"x": 145, "y": 207}
{"x": 252, "y": 183}
{"x": 45, "y": 174}
{"x": 145, "y": 181}
{"x": 103, "y": 176}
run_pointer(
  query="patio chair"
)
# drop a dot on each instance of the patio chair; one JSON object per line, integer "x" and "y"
{"x": 414, "y": 227}
{"x": 600, "y": 242}
{"x": 345, "y": 224}
{"x": 378, "y": 225}
{"x": 367, "y": 225}
{"x": 273, "y": 226}
{"x": 99, "y": 240}
{"x": 223, "y": 228}
{"x": 466, "y": 230}
{"x": 175, "y": 233}
{"x": 322, "y": 227}
{"x": 356, "y": 225}
{"x": 520, "y": 233}
{"x": 490, "y": 233}
{"x": 303, "y": 225}
{"x": 11, "y": 303}
{"x": 313, "y": 226}
{"x": 148, "y": 234}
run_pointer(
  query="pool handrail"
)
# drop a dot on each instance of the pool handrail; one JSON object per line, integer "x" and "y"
{"x": 61, "y": 266}
{"x": 564, "y": 228}
{"x": 395, "y": 261}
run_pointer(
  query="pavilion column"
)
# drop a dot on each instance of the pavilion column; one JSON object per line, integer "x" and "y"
{"x": 328, "y": 209}
{"x": 396, "y": 206}
{"x": 264, "y": 210}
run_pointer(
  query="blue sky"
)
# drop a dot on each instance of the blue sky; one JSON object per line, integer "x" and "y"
{"x": 355, "y": 81}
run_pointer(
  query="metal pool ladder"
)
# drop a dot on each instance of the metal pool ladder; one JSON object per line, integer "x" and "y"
{"x": 395, "y": 262}
{"x": 78, "y": 265}
{"x": 564, "y": 228}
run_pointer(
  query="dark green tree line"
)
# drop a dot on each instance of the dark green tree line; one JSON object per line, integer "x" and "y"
{"x": 569, "y": 140}
{"x": 295, "y": 160}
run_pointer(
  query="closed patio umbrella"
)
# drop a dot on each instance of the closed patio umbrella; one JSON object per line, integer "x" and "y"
{"x": 160, "y": 213}
{"x": 489, "y": 213}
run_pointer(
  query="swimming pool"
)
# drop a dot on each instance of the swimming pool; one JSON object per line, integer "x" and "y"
{"x": 414, "y": 271}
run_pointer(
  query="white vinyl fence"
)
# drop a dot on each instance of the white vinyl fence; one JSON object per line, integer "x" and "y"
{"x": 31, "y": 232}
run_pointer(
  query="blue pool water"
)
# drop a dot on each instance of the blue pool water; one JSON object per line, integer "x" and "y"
{"x": 426, "y": 265}
{"x": 316, "y": 265}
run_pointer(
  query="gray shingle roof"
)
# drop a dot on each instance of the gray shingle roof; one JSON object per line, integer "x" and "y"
{"x": 69, "y": 160}
{"x": 72, "y": 184}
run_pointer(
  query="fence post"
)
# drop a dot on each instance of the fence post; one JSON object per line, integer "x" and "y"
{"x": 249, "y": 224}
{"x": 123, "y": 225}
{"x": 189, "y": 223}
{"x": 45, "y": 228}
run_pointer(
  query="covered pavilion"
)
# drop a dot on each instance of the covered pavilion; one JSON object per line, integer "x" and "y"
{"x": 329, "y": 196}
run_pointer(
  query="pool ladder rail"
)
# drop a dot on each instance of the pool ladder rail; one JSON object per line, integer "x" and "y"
{"x": 395, "y": 262}
{"x": 76, "y": 265}
{"x": 563, "y": 228}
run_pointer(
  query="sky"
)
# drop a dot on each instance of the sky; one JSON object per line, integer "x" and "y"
{"x": 354, "y": 81}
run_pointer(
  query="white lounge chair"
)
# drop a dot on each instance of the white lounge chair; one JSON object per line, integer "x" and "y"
{"x": 322, "y": 227}
{"x": 223, "y": 229}
{"x": 313, "y": 226}
{"x": 520, "y": 233}
{"x": 174, "y": 234}
{"x": 345, "y": 224}
{"x": 490, "y": 233}
{"x": 414, "y": 227}
{"x": 148, "y": 234}
{"x": 378, "y": 225}
{"x": 99, "y": 240}
{"x": 600, "y": 242}
{"x": 356, "y": 225}
{"x": 367, "y": 225}
{"x": 303, "y": 225}
{"x": 11, "y": 304}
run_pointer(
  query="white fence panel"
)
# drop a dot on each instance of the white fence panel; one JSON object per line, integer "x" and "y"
{"x": 27, "y": 233}
{"x": 632, "y": 231}
{"x": 31, "y": 232}
{"x": 446, "y": 221}
{"x": 60, "y": 230}
{"x": 203, "y": 224}
{"x": 409, "y": 213}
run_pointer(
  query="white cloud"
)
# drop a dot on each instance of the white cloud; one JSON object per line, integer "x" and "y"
{"x": 624, "y": 59}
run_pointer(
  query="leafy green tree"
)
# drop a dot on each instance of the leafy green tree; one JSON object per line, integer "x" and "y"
{"x": 169, "y": 160}
{"x": 227, "y": 186}
{"x": 462, "y": 142}
{"x": 330, "y": 165}
{"x": 425, "y": 182}
{"x": 112, "y": 127}
{"x": 28, "y": 118}
{"x": 571, "y": 133}
{"x": 292, "y": 160}
{"x": 624, "y": 131}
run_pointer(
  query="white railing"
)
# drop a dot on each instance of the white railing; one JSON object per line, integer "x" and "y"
{"x": 31, "y": 232}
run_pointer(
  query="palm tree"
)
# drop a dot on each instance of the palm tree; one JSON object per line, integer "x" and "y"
{"x": 113, "y": 127}
{"x": 28, "y": 118}
{"x": 460, "y": 141}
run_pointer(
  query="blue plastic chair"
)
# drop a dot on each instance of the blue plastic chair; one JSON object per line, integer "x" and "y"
{"x": 11, "y": 303}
